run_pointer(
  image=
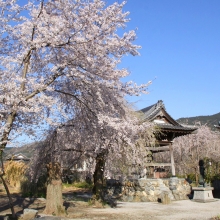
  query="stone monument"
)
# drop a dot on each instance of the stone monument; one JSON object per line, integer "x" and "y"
{"x": 201, "y": 174}
{"x": 202, "y": 193}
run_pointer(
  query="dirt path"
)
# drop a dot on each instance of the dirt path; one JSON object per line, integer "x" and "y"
{"x": 184, "y": 210}
{"x": 78, "y": 208}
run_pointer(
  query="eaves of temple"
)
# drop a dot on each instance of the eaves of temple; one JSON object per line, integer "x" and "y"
{"x": 168, "y": 126}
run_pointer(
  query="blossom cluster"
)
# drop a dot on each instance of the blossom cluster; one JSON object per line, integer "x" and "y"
{"x": 59, "y": 58}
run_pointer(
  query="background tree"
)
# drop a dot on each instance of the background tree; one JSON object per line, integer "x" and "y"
{"x": 102, "y": 143}
{"x": 57, "y": 49}
{"x": 190, "y": 149}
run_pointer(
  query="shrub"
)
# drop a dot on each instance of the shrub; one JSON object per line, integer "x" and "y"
{"x": 191, "y": 176}
{"x": 35, "y": 189}
{"x": 15, "y": 172}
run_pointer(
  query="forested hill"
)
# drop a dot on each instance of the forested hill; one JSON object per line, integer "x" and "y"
{"x": 209, "y": 120}
{"x": 26, "y": 150}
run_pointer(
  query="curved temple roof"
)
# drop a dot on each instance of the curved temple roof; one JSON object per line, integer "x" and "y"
{"x": 157, "y": 113}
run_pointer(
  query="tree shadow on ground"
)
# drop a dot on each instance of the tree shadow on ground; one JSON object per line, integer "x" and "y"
{"x": 77, "y": 196}
{"x": 19, "y": 203}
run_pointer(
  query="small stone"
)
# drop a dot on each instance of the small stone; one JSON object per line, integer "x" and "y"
{"x": 151, "y": 192}
{"x": 29, "y": 214}
{"x": 136, "y": 199}
{"x": 41, "y": 199}
{"x": 144, "y": 193}
{"x": 130, "y": 198}
{"x": 164, "y": 198}
{"x": 30, "y": 211}
{"x": 177, "y": 197}
{"x": 144, "y": 199}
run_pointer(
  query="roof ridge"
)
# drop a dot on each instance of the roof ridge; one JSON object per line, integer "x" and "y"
{"x": 156, "y": 107}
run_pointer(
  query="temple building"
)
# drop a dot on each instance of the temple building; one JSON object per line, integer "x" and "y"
{"x": 18, "y": 157}
{"x": 169, "y": 129}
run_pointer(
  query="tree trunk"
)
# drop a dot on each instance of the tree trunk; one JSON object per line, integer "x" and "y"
{"x": 6, "y": 187}
{"x": 54, "y": 201}
{"x": 98, "y": 177}
{"x": 9, "y": 197}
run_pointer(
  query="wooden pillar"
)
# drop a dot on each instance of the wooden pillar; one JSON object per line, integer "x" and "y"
{"x": 172, "y": 160}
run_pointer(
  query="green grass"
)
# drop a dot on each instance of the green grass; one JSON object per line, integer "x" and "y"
{"x": 66, "y": 185}
{"x": 81, "y": 185}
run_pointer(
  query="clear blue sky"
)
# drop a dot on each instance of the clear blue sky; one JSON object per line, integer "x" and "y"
{"x": 180, "y": 42}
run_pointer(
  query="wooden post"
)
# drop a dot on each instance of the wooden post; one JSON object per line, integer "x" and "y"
{"x": 172, "y": 160}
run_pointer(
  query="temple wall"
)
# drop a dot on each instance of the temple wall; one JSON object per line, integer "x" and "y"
{"x": 148, "y": 190}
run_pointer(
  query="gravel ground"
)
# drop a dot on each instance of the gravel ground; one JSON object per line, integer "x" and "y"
{"x": 80, "y": 210}
{"x": 184, "y": 210}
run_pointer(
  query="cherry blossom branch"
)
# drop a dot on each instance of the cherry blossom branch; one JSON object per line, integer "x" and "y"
{"x": 53, "y": 78}
{"x": 79, "y": 100}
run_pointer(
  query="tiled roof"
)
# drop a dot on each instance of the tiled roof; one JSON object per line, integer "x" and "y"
{"x": 151, "y": 112}
{"x": 174, "y": 127}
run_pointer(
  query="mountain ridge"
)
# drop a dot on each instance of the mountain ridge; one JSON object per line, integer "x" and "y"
{"x": 209, "y": 120}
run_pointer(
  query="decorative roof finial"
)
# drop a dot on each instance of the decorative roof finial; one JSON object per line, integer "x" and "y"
{"x": 160, "y": 104}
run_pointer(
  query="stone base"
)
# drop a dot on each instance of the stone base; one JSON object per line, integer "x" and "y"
{"x": 148, "y": 190}
{"x": 203, "y": 194}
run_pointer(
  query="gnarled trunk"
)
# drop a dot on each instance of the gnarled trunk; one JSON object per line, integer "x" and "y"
{"x": 54, "y": 201}
{"x": 98, "y": 177}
